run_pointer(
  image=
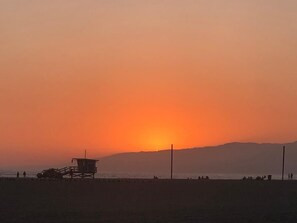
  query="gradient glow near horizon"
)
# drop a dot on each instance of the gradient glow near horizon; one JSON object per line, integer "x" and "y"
{"x": 114, "y": 76}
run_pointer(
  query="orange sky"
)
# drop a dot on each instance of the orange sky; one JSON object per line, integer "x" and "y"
{"x": 114, "y": 76}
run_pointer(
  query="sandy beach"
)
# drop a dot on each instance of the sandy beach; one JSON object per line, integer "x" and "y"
{"x": 126, "y": 200}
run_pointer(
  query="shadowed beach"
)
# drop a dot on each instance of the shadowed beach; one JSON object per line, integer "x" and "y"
{"x": 127, "y": 200}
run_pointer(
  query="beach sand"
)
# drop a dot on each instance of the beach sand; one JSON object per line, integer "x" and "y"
{"x": 33, "y": 200}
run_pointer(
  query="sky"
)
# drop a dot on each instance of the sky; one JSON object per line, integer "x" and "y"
{"x": 113, "y": 76}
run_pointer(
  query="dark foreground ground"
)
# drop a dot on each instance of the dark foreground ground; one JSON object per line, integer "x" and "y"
{"x": 28, "y": 200}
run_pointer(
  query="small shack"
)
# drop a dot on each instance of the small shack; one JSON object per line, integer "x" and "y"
{"x": 85, "y": 168}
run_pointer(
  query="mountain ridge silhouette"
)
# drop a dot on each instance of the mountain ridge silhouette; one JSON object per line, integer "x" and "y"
{"x": 229, "y": 158}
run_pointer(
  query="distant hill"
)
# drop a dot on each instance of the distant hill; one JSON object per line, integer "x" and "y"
{"x": 231, "y": 158}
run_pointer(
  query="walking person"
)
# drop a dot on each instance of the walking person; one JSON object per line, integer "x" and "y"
{"x": 71, "y": 173}
{"x": 18, "y": 174}
{"x": 24, "y": 174}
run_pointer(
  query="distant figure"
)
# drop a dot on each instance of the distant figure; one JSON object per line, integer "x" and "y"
{"x": 291, "y": 176}
{"x": 269, "y": 177}
{"x": 71, "y": 173}
{"x": 258, "y": 178}
{"x": 24, "y": 174}
{"x": 18, "y": 174}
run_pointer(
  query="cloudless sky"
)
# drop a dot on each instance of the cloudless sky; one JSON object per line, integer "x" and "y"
{"x": 128, "y": 75}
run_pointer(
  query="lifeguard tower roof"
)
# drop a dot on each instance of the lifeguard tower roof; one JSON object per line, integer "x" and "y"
{"x": 86, "y": 166}
{"x": 84, "y": 159}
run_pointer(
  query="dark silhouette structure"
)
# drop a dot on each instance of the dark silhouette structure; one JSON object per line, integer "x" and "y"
{"x": 171, "y": 169}
{"x": 50, "y": 173}
{"x": 283, "y": 167}
{"x": 85, "y": 168}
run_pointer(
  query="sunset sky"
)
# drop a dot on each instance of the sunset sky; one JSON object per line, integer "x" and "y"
{"x": 135, "y": 75}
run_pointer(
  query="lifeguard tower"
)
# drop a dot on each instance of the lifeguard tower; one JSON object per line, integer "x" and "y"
{"x": 85, "y": 168}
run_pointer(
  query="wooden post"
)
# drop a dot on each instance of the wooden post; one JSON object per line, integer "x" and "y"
{"x": 283, "y": 168}
{"x": 171, "y": 172}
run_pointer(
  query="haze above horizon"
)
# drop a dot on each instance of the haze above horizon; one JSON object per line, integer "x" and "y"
{"x": 113, "y": 76}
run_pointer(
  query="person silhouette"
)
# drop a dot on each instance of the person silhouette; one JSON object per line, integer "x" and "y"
{"x": 18, "y": 174}
{"x": 71, "y": 173}
{"x": 24, "y": 174}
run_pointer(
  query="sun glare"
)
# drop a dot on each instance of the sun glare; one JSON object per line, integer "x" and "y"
{"x": 157, "y": 140}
